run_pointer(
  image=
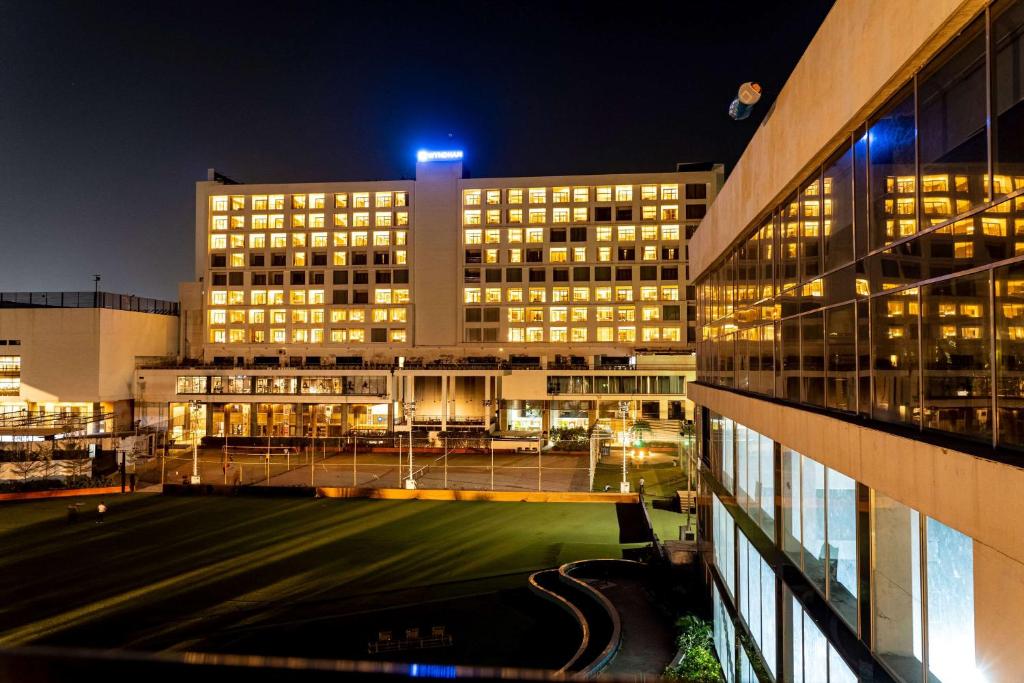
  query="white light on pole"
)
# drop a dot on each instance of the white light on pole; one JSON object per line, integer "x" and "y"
{"x": 624, "y": 411}
{"x": 409, "y": 409}
{"x": 194, "y": 407}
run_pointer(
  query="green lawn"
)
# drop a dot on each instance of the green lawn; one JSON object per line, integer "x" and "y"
{"x": 660, "y": 481}
{"x": 168, "y": 573}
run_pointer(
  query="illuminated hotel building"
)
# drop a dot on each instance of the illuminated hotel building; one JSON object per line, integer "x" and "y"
{"x": 513, "y": 303}
{"x": 860, "y": 286}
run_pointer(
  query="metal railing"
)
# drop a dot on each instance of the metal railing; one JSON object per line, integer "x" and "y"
{"x": 120, "y": 302}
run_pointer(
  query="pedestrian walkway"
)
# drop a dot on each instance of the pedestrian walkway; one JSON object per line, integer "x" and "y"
{"x": 648, "y": 642}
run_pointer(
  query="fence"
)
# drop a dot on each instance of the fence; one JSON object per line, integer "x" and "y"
{"x": 468, "y": 463}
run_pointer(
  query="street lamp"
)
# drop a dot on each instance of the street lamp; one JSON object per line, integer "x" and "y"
{"x": 624, "y": 412}
{"x": 409, "y": 410}
{"x": 194, "y": 409}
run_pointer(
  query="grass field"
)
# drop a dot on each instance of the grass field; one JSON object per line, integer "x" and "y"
{"x": 304, "y": 577}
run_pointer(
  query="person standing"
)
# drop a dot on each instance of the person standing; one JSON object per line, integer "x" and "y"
{"x": 101, "y": 511}
{"x": 640, "y": 488}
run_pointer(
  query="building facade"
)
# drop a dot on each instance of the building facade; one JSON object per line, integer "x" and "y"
{"x": 859, "y": 285}
{"x": 519, "y": 304}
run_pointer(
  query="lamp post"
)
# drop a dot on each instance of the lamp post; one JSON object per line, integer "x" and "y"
{"x": 624, "y": 412}
{"x": 194, "y": 411}
{"x": 409, "y": 410}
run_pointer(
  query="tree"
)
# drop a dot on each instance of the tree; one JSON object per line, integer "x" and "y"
{"x": 697, "y": 663}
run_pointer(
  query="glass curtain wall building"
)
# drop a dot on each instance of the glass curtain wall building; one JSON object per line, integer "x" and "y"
{"x": 860, "y": 312}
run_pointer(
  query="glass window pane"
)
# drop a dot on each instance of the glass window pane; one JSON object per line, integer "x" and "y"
{"x": 896, "y": 585}
{"x": 791, "y": 504}
{"x": 813, "y": 506}
{"x": 742, "y": 470}
{"x": 766, "y": 485}
{"x": 812, "y": 353}
{"x": 891, "y": 171}
{"x": 954, "y": 141}
{"x": 1009, "y": 283}
{"x": 842, "y": 545}
{"x": 840, "y": 340}
{"x": 1007, "y": 65}
{"x": 838, "y": 209}
{"x": 810, "y": 229}
{"x": 728, "y": 453}
{"x": 894, "y": 356}
{"x": 956, "y": 347}
{"x": 838, "y": 672}
{"x": 950, "y": 604}
{"x": 789, "y": 378}
{"x": 815, "y": 652}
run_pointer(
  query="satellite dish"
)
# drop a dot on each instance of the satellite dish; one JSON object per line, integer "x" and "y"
{"x": 749, "y": 94}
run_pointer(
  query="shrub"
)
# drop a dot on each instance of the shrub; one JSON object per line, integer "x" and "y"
{"x": 698, "y": 663}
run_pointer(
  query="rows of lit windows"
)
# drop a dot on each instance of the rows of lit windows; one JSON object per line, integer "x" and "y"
{"x": 561, "y": 314}
{"x": 602, "y": 233}
{"x": 300, "y": 240}
{"x": 475, "y": 295}
{"x": 623, "y": 334}
{"x": 314, "y": 335}
{"x": 260, "y": 316}
{"x": 565, "y": 195}
{"x": 579, "y": 214}
{"x": 312, "y": 221}
{"x": 297, "y": 297}
{"x": 313, "y": 200}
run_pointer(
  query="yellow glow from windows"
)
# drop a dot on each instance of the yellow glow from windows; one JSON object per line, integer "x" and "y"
{"x": 382, "y": 219}
{"x": 669, "y": 213}
{"x": 298, "y": 220}
{"x": 299, "y": 258}
{"x": 218, "y": 316}
{"x": 560, "y": 215}
{"x": 492, "y": 236}
{"x": 381, "y": 239}
{"x": 492, "y": 295}
{"x": 670, "y": 232}
{"x": 559, "y": 314}
{"x": 626, "y": 334}
{"x": 515, "y": 255}
{"x": 515, "y": 196}
{"x": 361, "y": 220}
{"x": 341, "y": 200}
{"x": 257, "y": 316}
{"x": 471, "y": 197}
{"x": 538, "y": 216}
{"x": 275, "y": 297}
{"x": 559, "y": 295}
{"x": 603, "y": 233}
{"x": 650, "y": 334}
{"x": 580, "y": 295}
{"x": 670, "y": 192}
{"x": 357, "y": 316}
{"x": 560, "y": 195}
{"x": 400, "y": 257}
{"x": 359, "y": 238}
{"x": 515, "y": 216}
{"x": 299, "y": 239}
{"x": 515, "y": 235}
{"x": 516, "y": 334}
{"x": 602, "y": 293}
{"x": 473, "y": 236}
{"x": 581, "y": 194}
{"x": 516, "y": 315}
{"x": 471, "y": 295}
{"x": 397, "y": 336}
{"x": 379, "y": 315}
{"x": 559, "y": 335}
{"x": 297, "y": 297}
{"x": 277, "y": 335}
{"x": 648, "y": 232}
{"x": 300, "y": 315}
{"x": 471, "y": 217}
{"x": 648, "y": 192}
{"x": 219, "y": 203}
{"x": 624, "y": 293}
{"x": 357, "y": 336}
{"x": 558, "y": 255}
{"x": 341, "y": 258}
{"x": 514, "y": 295}
{"x": 493, "y": 216}
{"x": 341, "y": 220}
{"x": 604, "y": 254}
{"x": 398, "y": 315}
{"x": 623, "y": 193}
{"x": 625, "y": 314}
{"x": 538, "y": 195}
{"x": 220, "y": 222}
{"x": 218, "y": 336}
{"x": 237, "y": 260}
{"x": 537, "y": 295}
{"x": 237, "y": 222}
{"x": 382, "y": 296}
{"x": 535, "y": 235}
{"x": 605, "y": 334}
{"x": 276, "y": 221}
{"x": 649, "y": 313}
{"x": 259, "y": 202}
{"x": 579, "y": 314}
{"x": 316, "y": 296}
{"x": 534, "y": 334}
{"x": 218, "y": 297}
{"x": 670, "y": 293}
{"x": 650, "y": 253}
{"x": 278, "y": 240}
{"x": 494, "y": 196}
{"x": 257, "y": 241}
{"x": 578, "y": 334}
{"x": 627, "y": 233}
{"x": 490, "y": 255}
{"x": 278, "y": 317}
{"x": 671, "y": 334}
{"x": 218, "y": 241}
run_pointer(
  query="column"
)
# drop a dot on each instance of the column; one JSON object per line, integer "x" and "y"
{"x": 444, "y": 403}
{"x": 487, "y": 403}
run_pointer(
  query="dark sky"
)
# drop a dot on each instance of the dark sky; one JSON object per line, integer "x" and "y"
{"x": 110, "y": 111}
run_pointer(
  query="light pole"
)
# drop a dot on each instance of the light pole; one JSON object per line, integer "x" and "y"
{"x": 409, "y": 410}
{"x": 194, "y": 409}
{"x": 624, "y": 411}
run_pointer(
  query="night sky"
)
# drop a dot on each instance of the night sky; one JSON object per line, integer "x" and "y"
{"x": 110, "y": 111}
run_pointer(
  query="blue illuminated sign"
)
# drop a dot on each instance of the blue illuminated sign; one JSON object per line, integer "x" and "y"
{"x": 439, "y": 155}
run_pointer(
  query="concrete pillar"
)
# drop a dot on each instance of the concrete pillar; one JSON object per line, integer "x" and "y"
{"x": 487, "y": 403}
{"x": 253, "y": 410}
{"x": 209, "y": 418}
{"x": 444, "y": 403}
{"x": 299, "y": 410}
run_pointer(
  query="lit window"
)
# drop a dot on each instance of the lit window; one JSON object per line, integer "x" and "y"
{"x": 277, "y": 336}
{"x": 581, "y": 194}
{"x": 490, "y": 255}
{"x": 671, "y": 334}
{"x": 648, "y": 294}
{"x": 560, "y": 215}
{"x": 623, "y": 293}
{"x": 218, "y": 316}
{"x": 218, "y": 297}
{"x": 316, "y": 315}
{"x": 471, "y": 217}
{"x": 580, "y": 214}
{"x": 316, "y": 220}
{"x": 579, "y": 314}
{"x": 361, "y": 220}
{"x": 278, "y": 317}
{"x": 474, "y": 236}
{"x": 276, "y": 221}
{"x": 357, "y": 336}
{"x": 648, "y": 232}
{"x": 381, "y": 238}
{"x": 341, "y": 200}
{"x": 559, "y": 334}
{"x": 604, "y": 254}
{"x": 401, "y": 199}
{"x": 625, "y": 314}
{"x": 383, "y": 296}
{"x": 259, "y": 202}
{"x": 382, "y": 200}
{"x": 492, "y": 295}
{"x": 602, "y": 293}
{"x": 626, "y": 334}
{"x": 238, "y": 222}
{"x": 579, "y": 334}
{"x": 537, "y": 295}
{"x": 299, "y": 258}
{"x": 361, "y": 200}
{"x": 220, "y": 222}
{"x": 535, "y": 315}
{"x": 559, "y": 295}
{"x": 300, "y": 315}
{"x": 670, "y": 232}
{"x": 298, "y": 239}
{"x": 538, "y": 216}
{"x": 534, "y": 334}
{"x": 650, "y": 334}
{"x": 402, "y": 218}
{"x": 558, "y": 255}
{"x": 338, "y": 336}
{"x": 670, "y": 213}
{"x": 339, "y": 315}
{"x": 627, "y": 233}
{"x": 670, "y": 293}
{"x": 381, "y": 219}
{"x": 516, "y": 334}
{"x": 560, "y": 195}
{"x": 535, "y": 235}
{"x": 559, "y": 314}
{"x": 298, "y": 201}
{"x": 257, "y": 241}
{"x": 341, "y": 220}
{"x": 471, "y": 197}
{"x": 236, "y": 298}
{"x": 494, "y": 196}
{"x": 579, "y": 254}
{"x": 397, "y": 336}
{"x": 515, "y": 196}
{"x": 341, "y": 258}
{"x": 650, "y": 253}
{"x": 515, "y": 235}
{"x": 259, "y": 222}
{"x": 316, "y": 296}
{"x": 649, "y": 213}
{"x": 398, "y": 315}
{"x": 238, "y": 241}
{"x": 471, "y": 295}
{"x": 275, "y": 297}
{"x": 648, "y": 192}
{"x": 670, "y": 192}
{"x": 297, "y": 297}
{"x": 359, "y": 238}
{"x": 400, "y": 237}
{"x": 218, "y": 336}
{"x": 623, "y": 193}
{"x": 400, "y": 257}
{"x": 514, "y": 295}
{"x": 494, "y": 216}
{"x": 649, "y": 313}
{"x": 603, "y": 233}
{"x": 492, "y": 236}
{"x": 218, "y": 241}
{"x": 515, "y": 255}
{"x": 604, "y": 334}
{"x": 276, "y": 202}
{"x": 603, "y": 194}
{"x": 257, "y": 316}
{"x": 219, "y": 203}
{"x": 379, "y": 315}
{"x": 515, "y": 216}
{"x": 538, "y": 195}
{"x": 580, "y": 295}
{"x": 238, "y": 260}
{"x": 516, "y": 315}
{"x": 357, "y": 316}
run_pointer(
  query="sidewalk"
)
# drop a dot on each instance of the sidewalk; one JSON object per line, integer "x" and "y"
{"x": 647, "y": 638}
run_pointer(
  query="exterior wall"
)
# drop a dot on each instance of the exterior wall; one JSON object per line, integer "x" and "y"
{"x": 863, "y": 50}
{"x": 436, "y": 245}
{"x": 83, "y": 355}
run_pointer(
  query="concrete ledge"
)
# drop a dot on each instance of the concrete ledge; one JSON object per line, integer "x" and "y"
{"x": 61, "y": 493}
{"x": 494, "y": 496}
